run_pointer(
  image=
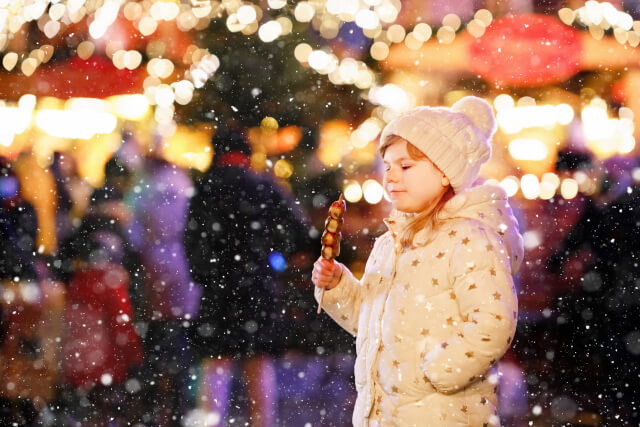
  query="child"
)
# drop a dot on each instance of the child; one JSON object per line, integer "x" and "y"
{"x": 436, "y": 307}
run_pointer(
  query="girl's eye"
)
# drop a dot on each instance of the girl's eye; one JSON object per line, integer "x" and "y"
{"x": 405, "y": 166}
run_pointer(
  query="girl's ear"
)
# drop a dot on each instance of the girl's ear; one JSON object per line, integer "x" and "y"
{"x": 445, "y": 181}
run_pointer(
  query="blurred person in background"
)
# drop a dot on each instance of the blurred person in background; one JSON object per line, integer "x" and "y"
{"x": 241, "y": 230}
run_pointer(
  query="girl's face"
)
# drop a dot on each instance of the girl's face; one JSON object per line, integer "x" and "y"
{"x": 413, "y": 184}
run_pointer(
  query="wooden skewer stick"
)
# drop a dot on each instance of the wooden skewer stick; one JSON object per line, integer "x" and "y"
{"x": 331, "y": 239}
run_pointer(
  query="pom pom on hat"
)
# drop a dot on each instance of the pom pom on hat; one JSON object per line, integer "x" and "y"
{"x": 479, "y": 112}
{"x": 456, "y": 139}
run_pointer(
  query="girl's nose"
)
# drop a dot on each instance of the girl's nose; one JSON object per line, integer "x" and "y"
{"x": 391, "y": 176}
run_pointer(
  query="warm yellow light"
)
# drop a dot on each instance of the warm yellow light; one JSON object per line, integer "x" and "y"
{"x": 373, "y": 191}
{"x": 396, "y": 33}
{"x": 13, "y": 121}
{"x": 530, "y": 186}
{"x": 319, "y": 59}
{"x": 422, "y": 32}
{"x": 246, "y": 14}
{"x": 269, "y": 31}
{"x": 565, "y": 114}
{"x": 352, "y": 192}
{"x": 283, "y": 169}
{"x": 510, "y": 184}
{"x": 569, "y": 188}
{"x": 547, "y": 190}
{"x": 334, "y": 7}
{"x": 503, "y": 102}
{"x": 302, "y": 52}
{"x": 552, "y": 179}
{"x": 130, "y": 107}
{"x": 387, "y": 12}
{"x": 528, "y": 149}
{"x": 304, "y": 12}
{"x": 451, "y": 20}
{"x": 446, "y": 35}
{"x": 390, "y": 96}
{"x": 367, "y": 19}
{"x": 27, "y": 102}
{"x": 75, "y": 124}
{"x": 277, "y": 4}
{"x": 349, "y": 70}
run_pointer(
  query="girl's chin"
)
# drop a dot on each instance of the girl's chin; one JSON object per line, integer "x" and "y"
{"x": 404, "y": 209}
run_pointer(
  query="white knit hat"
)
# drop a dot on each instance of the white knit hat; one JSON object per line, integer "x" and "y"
{"x": 456, "y": 139}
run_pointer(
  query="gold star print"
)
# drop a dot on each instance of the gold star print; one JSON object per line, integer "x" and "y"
{"x": 464, "y": 408}
{"x": 476, "y": 310}
{"x": 452, "y": 295}
{"x": 465, "y": 241}
{"x": 489, "y": 248}
{"x": 396, "y": 363}
{"x": 492, "y": 271}
{"x": 440, "y": 255}
{"x": 394, "y": 389}
{"x": 460, "y": 334}
{"x": 424, "y": 332}
{"x": 469, "y": 354}
{"x": 472, "y": 286}
{"x": 496, "y": 295}
{"x": 485, "y": 339}
{"x": 343, "y": 317}
{"x": 450, "y": 321}
{"x": 445, "y": 345}
{"x": 497, "y": 316}
{"x": 452, "y": 233}
{"x": 434, "y": 282}
{"x": 379, "y": 399}
{"x": 415, "y": 262}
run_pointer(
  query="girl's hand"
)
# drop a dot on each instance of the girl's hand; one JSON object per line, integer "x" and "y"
{"x": 326, "y": 274}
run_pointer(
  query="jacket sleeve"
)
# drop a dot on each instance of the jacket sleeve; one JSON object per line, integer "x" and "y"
{"x": 343, "y": 302}
{"x": 486, "y": 297}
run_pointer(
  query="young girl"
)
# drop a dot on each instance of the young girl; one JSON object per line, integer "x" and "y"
{"x": 436, "y": 307}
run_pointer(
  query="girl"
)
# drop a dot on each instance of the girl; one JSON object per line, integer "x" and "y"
{"x": 436, "y": 307}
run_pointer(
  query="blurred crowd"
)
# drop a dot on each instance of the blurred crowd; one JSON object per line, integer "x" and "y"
{"x": 175, "y": 297}
{"x": 166, "y": 288}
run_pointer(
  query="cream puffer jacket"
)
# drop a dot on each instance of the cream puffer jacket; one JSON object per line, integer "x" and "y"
{"x": 432, "y": 319}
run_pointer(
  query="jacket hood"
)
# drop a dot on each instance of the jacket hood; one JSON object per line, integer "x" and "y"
{"x": 488, "y": 204}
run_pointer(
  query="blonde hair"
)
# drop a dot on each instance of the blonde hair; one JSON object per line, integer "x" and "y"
{"x": 428, "y": 218}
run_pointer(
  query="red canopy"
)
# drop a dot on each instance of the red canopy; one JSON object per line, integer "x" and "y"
{"x": 527, "y": 50}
